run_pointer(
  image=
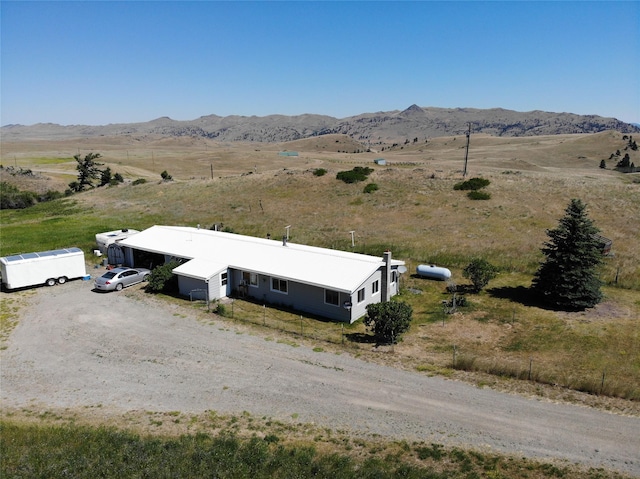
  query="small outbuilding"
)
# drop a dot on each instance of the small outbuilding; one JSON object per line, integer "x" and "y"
{"x": 333, "y": 284}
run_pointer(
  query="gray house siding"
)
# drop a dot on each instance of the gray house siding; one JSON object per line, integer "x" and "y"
{"x": 301, "y": 297}
{"x": 210, "y": 290}
{"x": 298, "y": 296}
{"x": 192, "y": 287}
{"x": 311, "y": 299}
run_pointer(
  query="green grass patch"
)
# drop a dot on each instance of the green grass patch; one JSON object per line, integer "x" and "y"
{"x": 41, "y": 450}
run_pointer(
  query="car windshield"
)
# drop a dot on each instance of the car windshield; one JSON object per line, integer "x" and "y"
{"x": 109, "y": 275}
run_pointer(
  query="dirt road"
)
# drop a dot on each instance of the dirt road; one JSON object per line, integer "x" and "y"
{"x": 75, "y": 348}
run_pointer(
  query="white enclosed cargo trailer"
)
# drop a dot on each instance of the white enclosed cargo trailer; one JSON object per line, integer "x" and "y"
{"x": 44, "y": 267}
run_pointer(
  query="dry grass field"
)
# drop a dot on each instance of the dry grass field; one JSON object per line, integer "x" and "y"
{"x": 416, "y": 213}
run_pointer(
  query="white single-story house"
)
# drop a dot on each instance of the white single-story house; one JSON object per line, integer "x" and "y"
{"x": 334, "y": 284}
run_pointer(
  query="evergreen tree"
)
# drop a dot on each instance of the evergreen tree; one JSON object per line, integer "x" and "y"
{"x": 568, "y": 278}
{"x": 87, "y": 171}
{"x": 105, "y": 177}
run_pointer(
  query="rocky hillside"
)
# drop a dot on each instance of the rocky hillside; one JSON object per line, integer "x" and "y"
{"x": 367, "y": 128}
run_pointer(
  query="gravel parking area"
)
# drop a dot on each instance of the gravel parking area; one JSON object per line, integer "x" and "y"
{"x": 76, "y": 348}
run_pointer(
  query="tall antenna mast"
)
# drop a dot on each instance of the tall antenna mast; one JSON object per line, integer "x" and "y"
{"x": 466, "y": 155}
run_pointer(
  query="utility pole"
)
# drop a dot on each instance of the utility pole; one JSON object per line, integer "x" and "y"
{"x": 466, "y": 155}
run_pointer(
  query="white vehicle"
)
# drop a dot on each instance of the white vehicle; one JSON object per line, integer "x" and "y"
{"x": 45, "y": 267}
{"x": 104, "y": 240}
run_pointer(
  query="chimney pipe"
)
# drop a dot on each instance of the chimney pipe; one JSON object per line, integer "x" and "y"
{"x": 386, "y": 277}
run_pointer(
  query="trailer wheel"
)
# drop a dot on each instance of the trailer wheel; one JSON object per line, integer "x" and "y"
{"x": 62, "y": 279}
{"x": 51, "y": 282}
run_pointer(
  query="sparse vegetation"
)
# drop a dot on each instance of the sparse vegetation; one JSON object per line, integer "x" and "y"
{"x": 319, "y": 172}
{"x": 421, "y": 219}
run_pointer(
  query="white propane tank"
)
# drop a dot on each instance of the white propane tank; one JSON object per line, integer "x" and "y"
{"x": 433, "y": 272}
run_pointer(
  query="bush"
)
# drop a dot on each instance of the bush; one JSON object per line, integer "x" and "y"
{"x": 139, "y": 181}
{"x": 319, "y": 172}
{"x": 472, "y": 184}
{"x": 162, "y": 278}
{"x": 388, "y": 321}
{"x": 480, "y": 272}
{"x": 166, "y": 176}
{"x": 357, "y": 174}
{"x": 11, "y": 198}
{"x": 370, "y": 188}
{"x": 221, "y": 310}
{"x": 479, "y": 195}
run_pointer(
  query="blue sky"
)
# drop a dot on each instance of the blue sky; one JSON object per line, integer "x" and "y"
{"x": 118, "y": 62}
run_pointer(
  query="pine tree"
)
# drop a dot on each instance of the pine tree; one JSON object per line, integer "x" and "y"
{"x": 568, "y": 278}
{"x": 87, "y": 171}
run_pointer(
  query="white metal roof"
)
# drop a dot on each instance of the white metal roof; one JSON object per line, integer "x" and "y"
{"x": 200, "y": 268}
{"x": 214, "y": 250}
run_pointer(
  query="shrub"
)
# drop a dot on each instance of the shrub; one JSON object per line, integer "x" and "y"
{"x": 370, "y": 188}
{"x": 139, "y": 181}
{"x": 12, "y": 198}
{"x": 358, "y": 173}
{"x": 166, "y": 176}
{"x": 388, "y": 320}
{"x": 319, "y": 172}
{"x": 472, "y": 184}
{"x": 162, "y": 278}
{"x": 50, "y": 195}
{"x": 480, "y": 272}
{"x": 479, "y": 195}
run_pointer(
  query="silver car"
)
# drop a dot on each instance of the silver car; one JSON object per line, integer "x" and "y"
{"x": 118, "y": 278}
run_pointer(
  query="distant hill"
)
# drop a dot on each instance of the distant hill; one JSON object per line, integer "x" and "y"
{"x": 368, "y": 128}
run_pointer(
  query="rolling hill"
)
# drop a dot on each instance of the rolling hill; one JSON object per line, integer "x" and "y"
{"x": 370, "y": 129}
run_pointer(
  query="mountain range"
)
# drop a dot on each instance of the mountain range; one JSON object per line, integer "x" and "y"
{"x": 368, "y": 128}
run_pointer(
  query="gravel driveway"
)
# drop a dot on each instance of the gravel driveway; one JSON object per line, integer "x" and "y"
{"x": 75, "y": 348}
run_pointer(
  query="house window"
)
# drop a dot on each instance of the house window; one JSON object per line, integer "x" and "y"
{"x": 375, "y": 287}
{"x": 360, "y": 295}
{"x": 223, "y": 279}
{"x": 279, "y": 285}
{"x": 394, "y": 276}
{"x": 331, "y": 297}
{"x": 250, "y": 278}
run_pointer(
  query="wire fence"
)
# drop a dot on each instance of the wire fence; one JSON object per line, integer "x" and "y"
{"x": 289, "y": 322}
{"x": 354, "y": 337}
